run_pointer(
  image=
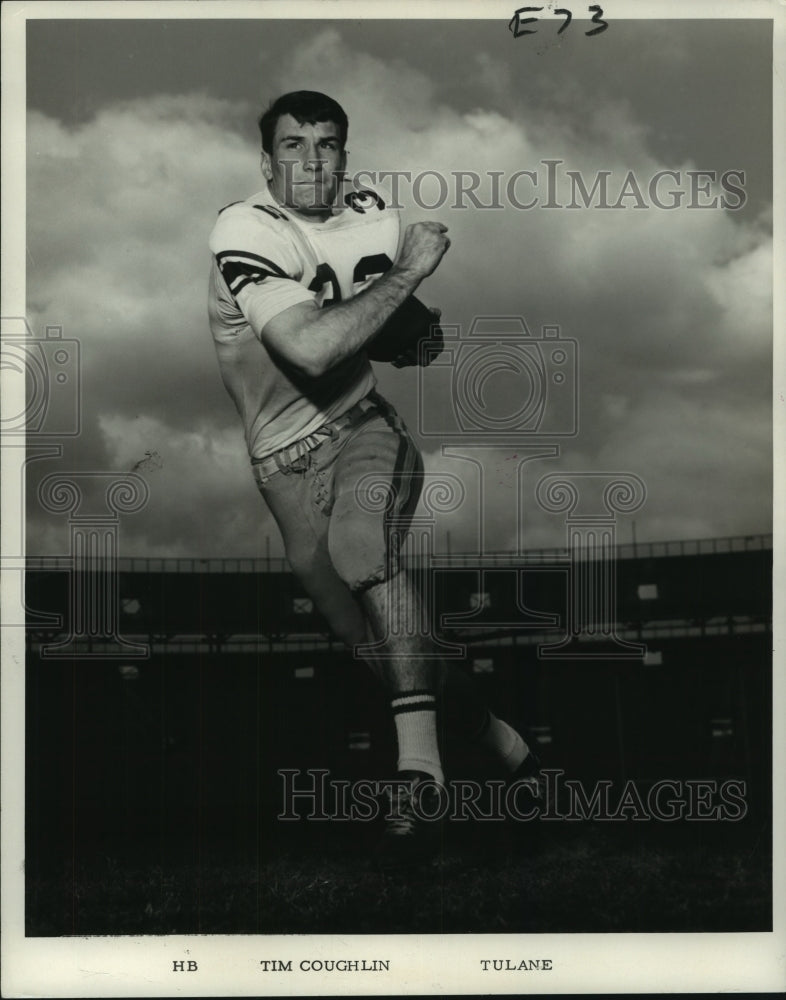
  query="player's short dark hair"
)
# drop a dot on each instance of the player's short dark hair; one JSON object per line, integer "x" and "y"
{"x": 305, "y": 106}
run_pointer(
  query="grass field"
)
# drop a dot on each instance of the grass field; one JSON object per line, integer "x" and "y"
{"x": 566, "y": 878}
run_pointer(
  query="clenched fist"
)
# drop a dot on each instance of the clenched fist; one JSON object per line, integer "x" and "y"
{"x": 424, "y": 246}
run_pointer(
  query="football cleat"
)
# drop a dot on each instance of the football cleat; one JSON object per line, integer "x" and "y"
{"x": 413, "y": 826}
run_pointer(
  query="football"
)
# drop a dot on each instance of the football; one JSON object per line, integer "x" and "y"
{"x": 410, "y": 324}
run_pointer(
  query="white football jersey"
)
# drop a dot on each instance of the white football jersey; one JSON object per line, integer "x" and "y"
{"x": 266, "y": 259}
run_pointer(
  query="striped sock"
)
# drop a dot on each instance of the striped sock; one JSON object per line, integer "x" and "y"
{"x": 503, "y": 741}
{"x": 415, "y": 715}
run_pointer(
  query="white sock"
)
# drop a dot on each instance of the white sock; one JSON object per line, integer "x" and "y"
{"x": 504, "y": 742}
{"x": 415, "y": 715}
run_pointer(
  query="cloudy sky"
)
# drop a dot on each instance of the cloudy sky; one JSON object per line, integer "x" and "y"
{"x": 139, "y": 131}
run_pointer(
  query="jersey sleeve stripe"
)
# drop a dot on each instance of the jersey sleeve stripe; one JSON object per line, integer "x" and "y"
{"x": 249, "y": 258}
{"x": 238, "y": 274}
{"x": 240, "y": 282}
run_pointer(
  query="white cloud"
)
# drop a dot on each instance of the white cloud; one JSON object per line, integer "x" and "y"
{"x": 671, "y": 309}
{"x": 202, "y": 496}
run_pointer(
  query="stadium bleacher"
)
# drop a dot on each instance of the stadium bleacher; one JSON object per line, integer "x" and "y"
{"x": 241, "y": 678}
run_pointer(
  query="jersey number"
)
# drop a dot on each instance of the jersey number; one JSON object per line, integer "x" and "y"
{"x": 326, "y": 276}
{"x": 370, "y": 266}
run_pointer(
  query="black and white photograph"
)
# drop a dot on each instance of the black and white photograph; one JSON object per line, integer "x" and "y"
{"x": 391, "y": 408}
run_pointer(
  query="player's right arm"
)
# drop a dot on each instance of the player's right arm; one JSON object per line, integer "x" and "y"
{"x": 314, "y": 340}
{"x": 285, "y": 315}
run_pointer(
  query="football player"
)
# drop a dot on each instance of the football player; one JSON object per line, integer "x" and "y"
{"x": 301, "y": 283}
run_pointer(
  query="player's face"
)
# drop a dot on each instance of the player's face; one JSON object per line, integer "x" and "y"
{"x": 304, "y": 169}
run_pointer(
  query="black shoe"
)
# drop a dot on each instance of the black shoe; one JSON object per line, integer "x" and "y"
{"x": 413, "y": 824}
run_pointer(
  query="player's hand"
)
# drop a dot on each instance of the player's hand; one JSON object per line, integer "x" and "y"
{"x": 424, "y": 246}
{"x": 424, "y": 357}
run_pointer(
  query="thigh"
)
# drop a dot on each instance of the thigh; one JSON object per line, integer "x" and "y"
{"x": 377, "y": 481}
{"x": 293, "y": 501}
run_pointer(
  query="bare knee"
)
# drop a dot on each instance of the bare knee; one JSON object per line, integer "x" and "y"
{"x": 331, "y": 597}
{"x": 359, "y": 553}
